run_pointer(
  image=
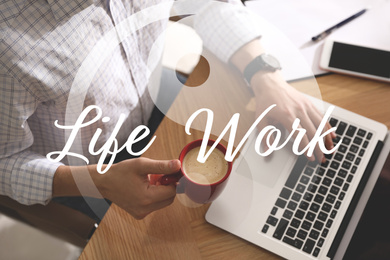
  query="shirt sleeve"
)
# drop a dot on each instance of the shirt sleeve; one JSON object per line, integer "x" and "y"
{"x": 224, "y": 26}
{"x": 25, "y": 176}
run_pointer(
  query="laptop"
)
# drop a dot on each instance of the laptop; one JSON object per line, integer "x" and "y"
{"x": 299, "y": 209}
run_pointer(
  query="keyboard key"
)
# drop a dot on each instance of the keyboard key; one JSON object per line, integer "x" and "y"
{"x": 312, "y": 188}
{"x": 350, "y": 157}
{"x": 296, "y": 172}
{"x": 351, "y": 131}
{"x": 272, "y": 221}
{"x": 316, "y": 252}
{"x": 316, "y": 180}
{"x": 325, "y": 164}
{"x": 320, "y": 242}
{"x": 310, "y": 216}
{"x": 342, "y": 149}
{"x": 361, "y": 152}
{"x": 320, "y": 171}
{"x": 358, "y": 160}
{"x": 330, "y": 173}
{"x": 346, "y": 165}
{"x": 339, "y": 157}
{"x": 302, "y": 234}
{"x": 306, "y": 225}
{"x": 345, "y": 187}
{"x": 280, "y": 229}
{"x": 333, "y": 122}
{"x": 299, "y": 214}
{"x": 349, "y": 178}
{"x": 338, "y": 181}
{"x": 319, "y": 198}
{"x": 357, "y": 140}
{"x": 361, "y": 132}
{"x": 308, "y": 196}
{"x": 322, "y": 216}
{"x": 308, "y": 171}
{"x": 369, "y": 136}
{"x": 341, "y": 128}
{"x": 330, "y": 198}
{"x": 295, "y": 223}
{"x": 333, "y": 214}
{"x": 314, "y": 207}
{"x": 353, "y": 170}
{"x": 318, "y": 225}
{"x": 281, "y": 203}
{"x": 346, "y": 141}
{"x": 300, "y": 188}
{"x": 285, "y": 193}
{"x": 326, "y": 207}
{"x": 365, "y": 144}
{"x": 291, "y": 232}
{"x": 287, "y": 214}
{"x": 308, "y": 247}
{"x": 341, "y": 196}
{"x": 325, "y": 232}
{"x": 292, "y": 205}
{"x": 342, "y": 173}
{"x": 265, "y": 228}
{"x": 337, "y": 204}
{"x": 353, "y": 149}
{"x": 304, "y": 179}
{"x": 304, "y": 205}
{"x": 329, "y": 223}
{"x": 323, "y": 190}
{"x": 334, "y": 190}
{"x": 327, "y": 182}
{"x": 334, "y": 165}
{"x": 293, "y": 242}
{"x": 314, "y": 234}
{"x": 296, "y": 197}
{"x": 274, "y": 210}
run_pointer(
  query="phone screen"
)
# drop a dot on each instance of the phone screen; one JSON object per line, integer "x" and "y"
{"x": 360, "y": 59}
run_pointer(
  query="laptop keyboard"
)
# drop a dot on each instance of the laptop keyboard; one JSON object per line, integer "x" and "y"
{"x": 313, "y": 193}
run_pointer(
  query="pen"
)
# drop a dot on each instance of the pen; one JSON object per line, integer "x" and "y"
{"x": 331, "y": 29}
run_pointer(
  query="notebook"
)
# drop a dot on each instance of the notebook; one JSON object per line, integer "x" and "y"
{"x": 300, "y": 209}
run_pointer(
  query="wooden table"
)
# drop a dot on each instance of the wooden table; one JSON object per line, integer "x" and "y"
{"x": 180, "y": 230}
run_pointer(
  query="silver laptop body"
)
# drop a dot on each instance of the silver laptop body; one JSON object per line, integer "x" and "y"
{"x": 278, "y": 204}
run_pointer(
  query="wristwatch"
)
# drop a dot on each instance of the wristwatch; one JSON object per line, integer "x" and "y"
{"x": 263, "y": 62}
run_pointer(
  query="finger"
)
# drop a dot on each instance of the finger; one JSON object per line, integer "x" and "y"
{"x": 310, "y": 127}
{"x": 158, "y": 193}
{"x": 149, "y": 166}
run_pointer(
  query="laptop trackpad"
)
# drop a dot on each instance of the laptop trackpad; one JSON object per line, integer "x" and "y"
{"x": 266, "y": 170}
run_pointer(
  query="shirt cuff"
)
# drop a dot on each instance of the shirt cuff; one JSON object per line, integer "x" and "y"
{"x": 225, "y": 28}
{"x": 30, "y": 179}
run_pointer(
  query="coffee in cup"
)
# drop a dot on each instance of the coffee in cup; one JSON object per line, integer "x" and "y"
{"x": 201, "y": 182}
{"x": 211, "y": 171}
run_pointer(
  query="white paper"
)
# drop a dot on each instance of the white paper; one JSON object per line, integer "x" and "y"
{"x": 300, "y": 20}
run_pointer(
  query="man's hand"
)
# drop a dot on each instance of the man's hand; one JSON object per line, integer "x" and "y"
{"x": 270, "y": 88}
{"x": 126, "y": 184}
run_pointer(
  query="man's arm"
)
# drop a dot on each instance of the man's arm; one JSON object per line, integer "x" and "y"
{"x": 125, "y": 184}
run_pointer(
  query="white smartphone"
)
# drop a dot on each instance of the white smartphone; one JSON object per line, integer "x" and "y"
{"x": 356, "y": 60}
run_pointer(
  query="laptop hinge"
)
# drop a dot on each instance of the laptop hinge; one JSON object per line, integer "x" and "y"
{"x": 355, "y": 200}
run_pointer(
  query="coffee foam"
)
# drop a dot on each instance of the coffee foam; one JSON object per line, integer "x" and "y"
{"x": 213, "y": 170}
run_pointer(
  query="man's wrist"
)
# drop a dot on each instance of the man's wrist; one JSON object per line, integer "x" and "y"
{"x": 79, "y": 181}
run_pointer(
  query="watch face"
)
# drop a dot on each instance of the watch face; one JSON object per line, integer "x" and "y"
{"x": 271, "y": 61}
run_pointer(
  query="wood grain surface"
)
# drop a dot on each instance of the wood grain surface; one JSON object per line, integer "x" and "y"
{"x": 180, "y": 230}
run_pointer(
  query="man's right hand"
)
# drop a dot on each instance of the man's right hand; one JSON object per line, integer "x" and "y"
{"x": 125, "y": 184}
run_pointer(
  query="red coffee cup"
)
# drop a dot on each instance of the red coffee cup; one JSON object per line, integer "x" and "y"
{"x": 197, "y": 192}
